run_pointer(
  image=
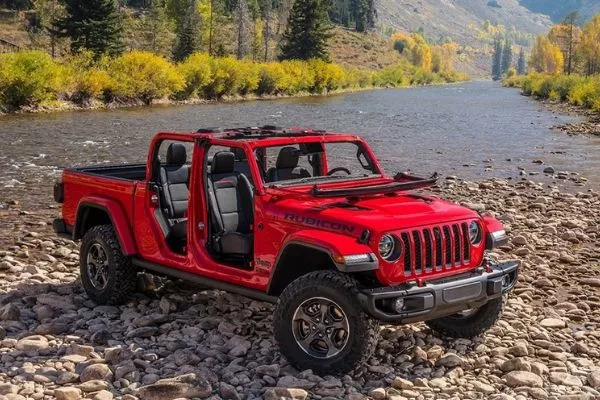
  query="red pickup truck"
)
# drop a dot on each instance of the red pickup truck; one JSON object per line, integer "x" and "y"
{"x": 302, "y": 218}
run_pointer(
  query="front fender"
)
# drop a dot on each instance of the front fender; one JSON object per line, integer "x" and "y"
{"x": 117, "y": 215}
{"x": 336, "y": 245}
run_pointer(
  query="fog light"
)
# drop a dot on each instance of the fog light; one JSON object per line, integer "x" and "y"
{"x": 398, "y": 305}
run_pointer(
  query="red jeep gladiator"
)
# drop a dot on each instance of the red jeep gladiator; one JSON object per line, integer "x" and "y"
{"x": 302, "y": 218}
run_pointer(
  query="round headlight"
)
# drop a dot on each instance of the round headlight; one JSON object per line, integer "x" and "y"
{"x": 474, "y": 233}
{"x": 386, "y": 247}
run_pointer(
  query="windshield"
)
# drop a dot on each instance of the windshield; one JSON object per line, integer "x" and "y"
{"x": 308, "y": 162}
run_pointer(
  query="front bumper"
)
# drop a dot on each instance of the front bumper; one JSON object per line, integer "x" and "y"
{"x": 441, "y": 297}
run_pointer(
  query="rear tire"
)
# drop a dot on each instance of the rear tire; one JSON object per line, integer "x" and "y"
{"x": 470, "y": 325}
{"x": 320, "y": 325}
{"x": 107, "y": 275}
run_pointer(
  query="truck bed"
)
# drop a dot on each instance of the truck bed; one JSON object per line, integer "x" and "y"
{"x": 114, "y": 183}
{"x": 132, "y": 172}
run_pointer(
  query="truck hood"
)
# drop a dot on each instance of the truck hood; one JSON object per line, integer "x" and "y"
{"x": 379, "y": 213}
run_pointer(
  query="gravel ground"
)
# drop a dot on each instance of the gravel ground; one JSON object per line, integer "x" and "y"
{"x": 177, "y": 340}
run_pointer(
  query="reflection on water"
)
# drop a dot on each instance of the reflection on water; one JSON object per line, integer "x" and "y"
{"x": 472, "y": 130}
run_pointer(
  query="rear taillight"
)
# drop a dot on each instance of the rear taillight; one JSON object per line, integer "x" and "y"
{"x": 59, "y": 191}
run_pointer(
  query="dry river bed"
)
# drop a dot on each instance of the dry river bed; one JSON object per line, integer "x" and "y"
{"x": 186, "y": 341}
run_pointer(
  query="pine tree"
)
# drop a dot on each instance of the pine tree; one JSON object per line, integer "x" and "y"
{"x": 497, "y": 59}
{"x": 521, "y": 63}
{"x": 243, "y": 28}
{"x": 160, "y": 28}
{"x": 360, "y": 14}
{"x": 92, "y": 25}
{"x": 308, "y": 31}
{"x": 187, "y": 32}
{"x": 507, "y": 56}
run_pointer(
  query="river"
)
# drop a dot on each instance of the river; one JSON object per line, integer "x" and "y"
{"x": 472, "y": 130}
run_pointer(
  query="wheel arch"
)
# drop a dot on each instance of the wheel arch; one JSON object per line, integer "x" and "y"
{"x": 311, "y": 250}
{"x": 297, "y": 259}
{"x": 100, "y": 211}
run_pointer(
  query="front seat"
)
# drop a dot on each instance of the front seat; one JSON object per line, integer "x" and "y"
{"x": 231, "y": 203}
{"x": 174, "y": 179}
{"x": 241, "y": 163}
{"x": 286, "y": 166}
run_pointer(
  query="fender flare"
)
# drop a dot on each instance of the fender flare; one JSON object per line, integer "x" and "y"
{"x": 117, "y": 216}
{"x": 334, "y": 244}
{"x": 331, "y": 245}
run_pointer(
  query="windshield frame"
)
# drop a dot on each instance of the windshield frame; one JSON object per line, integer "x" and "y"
{"x": 361, "y": 145}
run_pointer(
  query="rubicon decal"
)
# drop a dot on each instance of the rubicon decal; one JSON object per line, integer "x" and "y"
{"x": 319, "y": 223}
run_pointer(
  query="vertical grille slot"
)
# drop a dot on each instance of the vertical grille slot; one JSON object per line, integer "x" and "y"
{"x": 429, "y": 264}
{"x": 457, "y": 244}
{"x": 437, "y": 233}
{"x": 435, "y": 249}
{"x": 466, "y": 243}
{"x": 418, "y": 251}
{"x": 448, "y": 246}
{"x": 407, "y": 253}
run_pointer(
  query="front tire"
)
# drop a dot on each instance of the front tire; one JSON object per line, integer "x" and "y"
{"x": 470, "y": 324}
{"x": 320, "y": 325}
{"x": 107, "y": 275}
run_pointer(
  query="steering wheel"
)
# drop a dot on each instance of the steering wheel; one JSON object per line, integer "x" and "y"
{"x": 339, "y": 169}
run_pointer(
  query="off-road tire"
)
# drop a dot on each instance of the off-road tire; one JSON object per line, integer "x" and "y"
{"x": 341, "y": 289}
{"x": 469, "y": 327}
{"x": 122, "y": 275}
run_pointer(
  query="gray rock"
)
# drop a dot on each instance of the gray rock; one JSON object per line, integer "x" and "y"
{"x": 552, "y": 323}
{"x": 227, "y": 391}
{"x": 549, "y": 170}
{"x": 450, "y": 360}
{"x": 523, "y": 378}
{"x": 10, "y": 312}
{"x": 289, "y": 381}
{"x": 279, "y": 393}
{"x": 96, "y": 372}
{"x": 32, "y": 343}
{"x": 563, "y": 378}
{"x": 189, "y": 385}
{"x": 67, "y": 393}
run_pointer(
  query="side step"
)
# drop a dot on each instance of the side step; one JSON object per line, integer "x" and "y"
{"x": 228, "y": 287}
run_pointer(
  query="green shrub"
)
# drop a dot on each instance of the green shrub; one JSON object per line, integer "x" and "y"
{"x": 248, "y": 77}
{"x": 197, "y": 73}
{"x": 226, "y": 78}
{"x": 28, "y": 78}
{"x": 85, "y": 78}
{"x": 576, "y": 89}
{"x": 299, "y": 76}
{"x": 144, "y": 76}
{"x": 328, "y": 77}
{"x": 586, "y": 92}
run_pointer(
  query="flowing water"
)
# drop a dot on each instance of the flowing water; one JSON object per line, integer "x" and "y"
{"x": 473, "y": 130}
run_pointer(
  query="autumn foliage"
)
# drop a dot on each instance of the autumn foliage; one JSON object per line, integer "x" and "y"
{"x": 34, "y": 79}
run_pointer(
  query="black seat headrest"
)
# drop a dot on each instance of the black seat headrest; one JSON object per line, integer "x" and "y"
{"x": 223, "y": 162}
{"x": 287, "y": 158}
{"x": 239, "y": 153}
{"x": 176, "y": 154}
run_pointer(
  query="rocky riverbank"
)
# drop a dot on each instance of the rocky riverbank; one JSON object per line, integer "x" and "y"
{"x": 184, "y": 341}
{"x": 590, "y": 124}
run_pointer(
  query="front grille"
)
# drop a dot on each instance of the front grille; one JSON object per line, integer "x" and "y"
{"x": 436, "y": 248}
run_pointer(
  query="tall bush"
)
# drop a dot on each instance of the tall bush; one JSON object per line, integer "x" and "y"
{"x": 144, "y": 76}
{"x": 27, "y": 78}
